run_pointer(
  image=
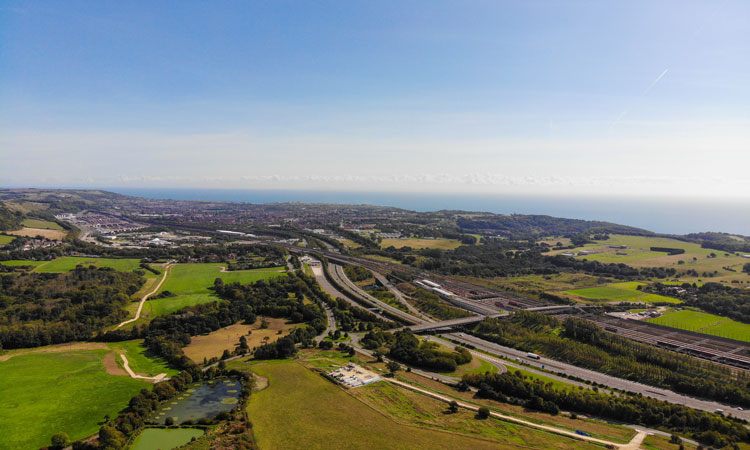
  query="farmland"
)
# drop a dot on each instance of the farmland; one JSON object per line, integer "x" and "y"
{"x": 637, "y": 253}
{"x": 213, "y": 344}
{"x": 415, "y": 243}
{"x": 326, "y": 421}
{"x": 190, "y": 283}
{"x": 620, "y": 292}
{"x": 47, "y": 392}
{"x": 139, "y": 359}
{"x": 67, "y": 263}
{"x": 22, "y": 262}
{"x": 6, "y": 239}
{"x": 42, "y": 224}
{"x": 705, "y": 323}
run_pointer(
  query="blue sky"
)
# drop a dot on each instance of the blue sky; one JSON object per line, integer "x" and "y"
{"x": 473, "y": 96}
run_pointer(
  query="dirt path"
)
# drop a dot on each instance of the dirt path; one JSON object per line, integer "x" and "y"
{"x": 632, "y": 445}
{"x": 146, "y": 296}
{"x": 636, "y": 442}
{"x": 126, "y": 366}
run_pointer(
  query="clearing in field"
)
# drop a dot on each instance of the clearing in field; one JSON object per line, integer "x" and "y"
{"x": 621, "y": 292}
{"x": 415, "y": 243}
{"x": 140, "y": 360}
{"x": 638, "y": 254}
{"x": 67, "y": 263}
{"x": 46, "y": 392}
{"x": 213, "y": 344}
{"x": 162, "y": 438}
{"x": 331, "y": 418}
{"x": 191, "y": 282}
{"x": 22, "y": 262}
{"x": 44, "y": 232}
{"x": 43, "y": 224}
{"x": 705, "y": 323}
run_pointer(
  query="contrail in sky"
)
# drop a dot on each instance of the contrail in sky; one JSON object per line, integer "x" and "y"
{"x": 651, "y": 86}
{"x": 656, "y": 81}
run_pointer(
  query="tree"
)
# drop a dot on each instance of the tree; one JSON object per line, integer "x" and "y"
{"x": 746, "y": 268}
{"x": 453, "y": 407}
{"x": 483, "y": 412}
{"x": 60, "y": 440}
{"x": 393, "y": 366}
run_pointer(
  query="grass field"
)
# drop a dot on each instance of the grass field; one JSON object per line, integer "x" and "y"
{"x": 419, "y": 410}
{"x": 160, "y": 438}
{"x": 326, "y": 421}
{"x": 22, "y": 262}
{"x": 44, "y": 232}
{"x": 139, "y": 360}
{"x": 43, "y": 393}
{"x": 621, "y": 292}
{"x": 43, "y": 224}
{"x": 197, "y": 278}
{"x": 214, "y": 344}
{"x": 639, "y": 254}
{"x": 441, "y": 244}
{"x": 705, "y": 323}
{"x": 6, "y": 239}
{"x": 474, "y": 367}
{"x": 191, "y": 283}
{"x": 67, "y": 263}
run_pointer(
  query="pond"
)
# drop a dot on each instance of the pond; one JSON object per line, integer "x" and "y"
{"x": 204, "y": 400}
{"x": 164, "y": 439}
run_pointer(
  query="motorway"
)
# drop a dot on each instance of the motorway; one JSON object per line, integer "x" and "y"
{"x": 597, "y": 377}
{"x": 400, "y": 297}
{"x": 337, "y": 272}
{"x": 552, "y": 365}
{"x": 335, "y": 293}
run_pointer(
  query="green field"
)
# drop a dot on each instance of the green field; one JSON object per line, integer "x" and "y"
{"x": 67, "y": 263}
{"x": 6, "y": 239}
{"x": 197, "y": 278}
{"x": 333, "y": 419}
{"x": 45, "y": 393}
{"x": 162, "y": 439}
{"x": 139, "y": 360}
{"x": 22, "y": 262}
{"x": 621, "y": 292}
{"x": 44, "y": 224}
{"x": 441, "y": 244}
{"x": 639, "y": 254}
{"x": 705, "y": 323}
{"x": 191, "y": 283}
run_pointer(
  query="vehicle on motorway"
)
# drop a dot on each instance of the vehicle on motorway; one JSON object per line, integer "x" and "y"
{"x": 533, "y": 355}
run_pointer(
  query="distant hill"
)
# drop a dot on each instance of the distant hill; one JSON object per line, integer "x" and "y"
{"x": 540, "y": 225}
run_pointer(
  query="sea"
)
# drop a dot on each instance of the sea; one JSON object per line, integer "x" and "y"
{"x": 661, "y": 215}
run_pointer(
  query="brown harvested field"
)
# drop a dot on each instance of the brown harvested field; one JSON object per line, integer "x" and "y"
{"x": 110, "y": 364}
{"x": 214, "y": 344}
{"x": 58, "y": 348}
{"x": 34, "y": 232}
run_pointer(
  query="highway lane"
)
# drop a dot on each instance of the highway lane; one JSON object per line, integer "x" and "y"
{"x": 400, "y": 297}
{"x": 337, "y": 272}
{"x": 597, "y": 377}
{"x": 335, "y": 293}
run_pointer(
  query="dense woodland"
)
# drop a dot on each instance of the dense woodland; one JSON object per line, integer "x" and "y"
{"x": 48, "y": 308}
{"x": 406, "y": 347}
{"x": 582, "y": 343}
